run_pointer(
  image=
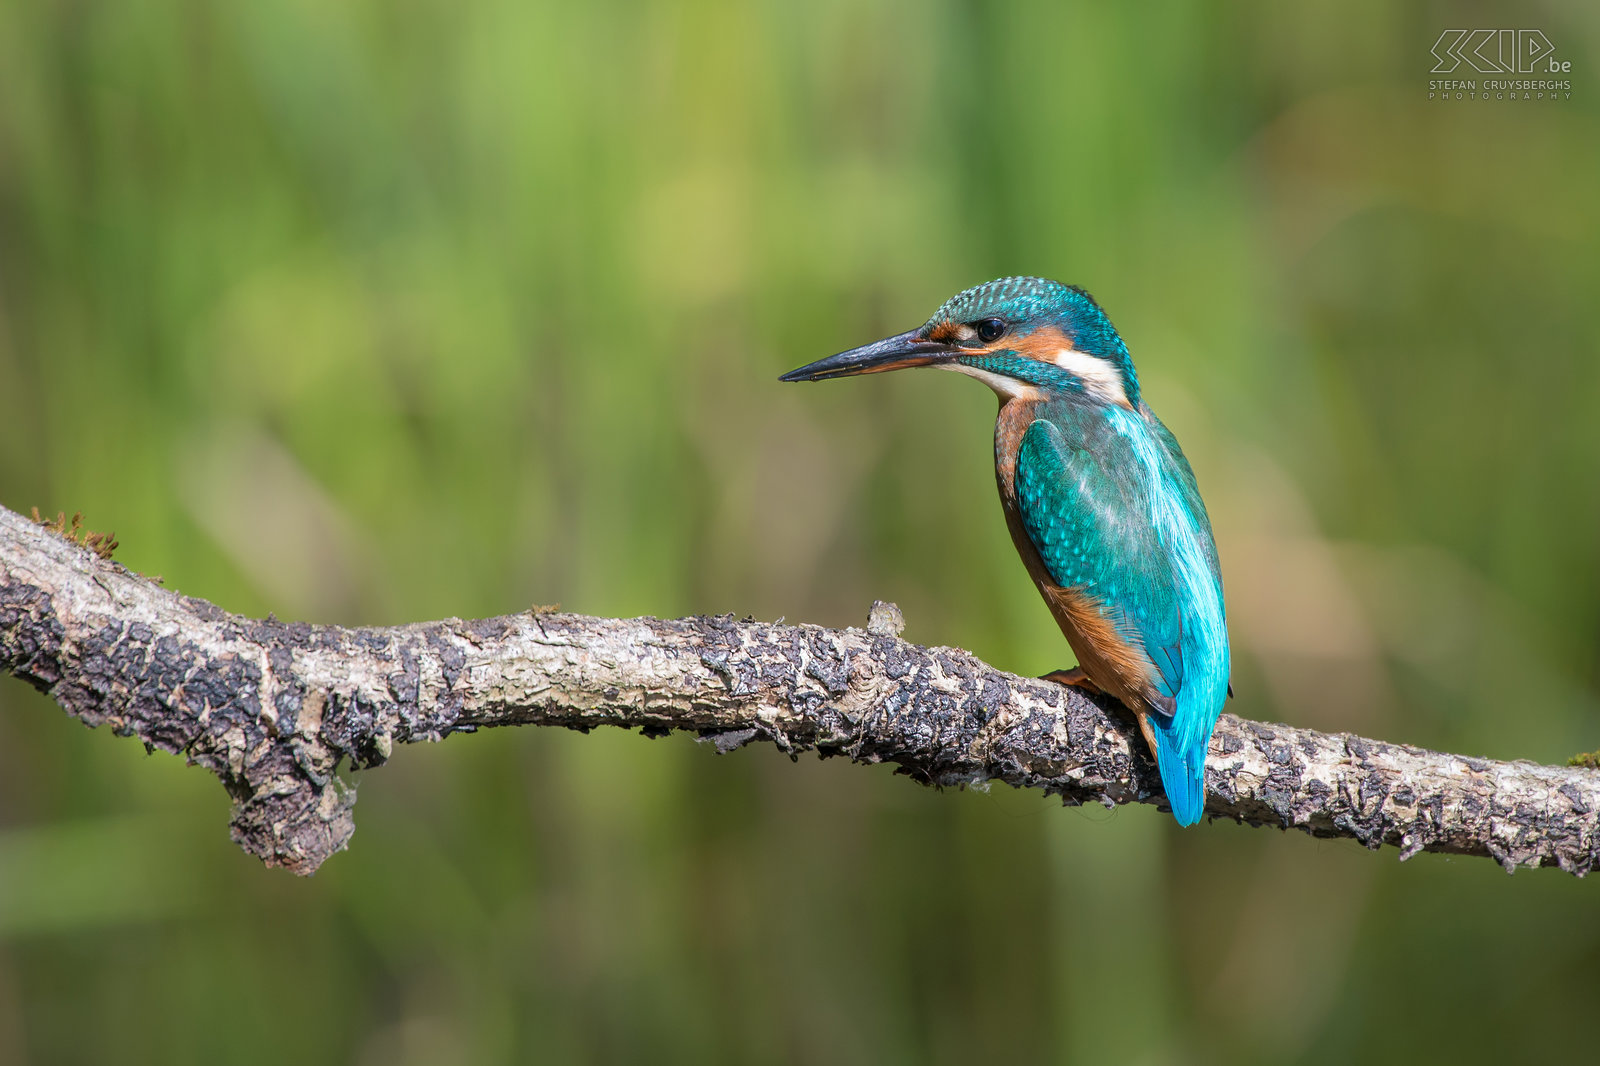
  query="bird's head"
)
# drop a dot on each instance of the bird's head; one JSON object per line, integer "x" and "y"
{"x": 1020, "y": 336}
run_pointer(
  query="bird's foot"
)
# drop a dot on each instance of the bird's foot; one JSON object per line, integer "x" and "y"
{"x": 1078, "y": 679}
{"x": 1074, "y": 677}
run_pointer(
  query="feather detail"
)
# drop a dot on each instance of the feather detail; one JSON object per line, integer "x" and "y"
{"x": 1183, "y": 771}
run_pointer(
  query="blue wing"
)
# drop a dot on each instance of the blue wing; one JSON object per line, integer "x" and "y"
{"x": 1087, "y": 514}
{"x": 1111, "y": 506}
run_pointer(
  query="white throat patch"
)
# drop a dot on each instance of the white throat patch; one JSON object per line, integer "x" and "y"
{"x": 1004, "y": 387}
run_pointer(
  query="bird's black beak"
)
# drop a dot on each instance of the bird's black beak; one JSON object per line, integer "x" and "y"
{"x": 892, "y": 353}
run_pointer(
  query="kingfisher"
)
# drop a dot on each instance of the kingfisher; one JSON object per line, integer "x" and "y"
{"x": 1100, "y": 501}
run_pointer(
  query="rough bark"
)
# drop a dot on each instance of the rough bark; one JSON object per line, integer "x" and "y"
{"x": 273, "y": 708}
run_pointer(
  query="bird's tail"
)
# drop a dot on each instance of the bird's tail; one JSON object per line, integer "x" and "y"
{"x": 1183, "y": 770}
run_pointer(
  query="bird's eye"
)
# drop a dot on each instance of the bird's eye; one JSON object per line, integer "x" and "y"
{"x": 990, "y": 329}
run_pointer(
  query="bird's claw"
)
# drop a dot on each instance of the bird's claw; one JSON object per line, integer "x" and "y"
{"x": 1074, "y": 677}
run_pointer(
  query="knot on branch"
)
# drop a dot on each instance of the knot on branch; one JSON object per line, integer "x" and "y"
{"x": 296, "y": 825}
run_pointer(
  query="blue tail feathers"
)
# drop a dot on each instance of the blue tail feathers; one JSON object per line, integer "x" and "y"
{"x": 1183, "y": 770}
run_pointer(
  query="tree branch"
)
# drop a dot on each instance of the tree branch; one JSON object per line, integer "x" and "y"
{"x": 272, "y": 708}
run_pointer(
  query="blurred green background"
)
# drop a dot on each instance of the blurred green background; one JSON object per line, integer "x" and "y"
{"x": 371, "y": 312}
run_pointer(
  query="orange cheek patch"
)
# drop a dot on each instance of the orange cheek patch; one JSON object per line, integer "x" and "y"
{"x": 944, "y": 332}
{"x": 1042, "y": 344}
